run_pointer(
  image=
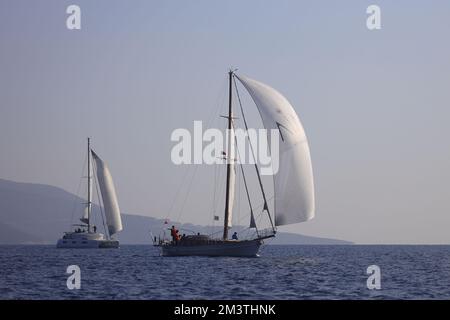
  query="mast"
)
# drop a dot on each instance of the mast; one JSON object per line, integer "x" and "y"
{"x": 89, "y": 184}
{"x": 229, "y": 168}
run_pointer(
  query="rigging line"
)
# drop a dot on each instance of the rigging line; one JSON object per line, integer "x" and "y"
{"x": 217, "y": 177}
{"x": 218, "y": 173}
{"x": 100, "y": 206}
{"x": 216, "y": 232}
{"x": 75, "y": 202}
{"x": 266, "y": 206}
{"x": 177, "y": 193}
{"x": 213, "y": 204}
{"x": 245, "y": 182}
{"x": 262, "y": 205}
{"x": 220, "y": 190}
{"x": 220, "y": 101}
{"x": 258, "y": 218}
{"x": 189, "y": 230}
{"x": 214, "y": 192}
{"x": 214, "y": 198}
{"x": 214, "y": 111}
{"x": 217, "y": 185}
{"x": 220, "y": 177}
{"x": 211, "y": 116}
{"x": 187, "y": 194}
{"x": 238, "y": 178}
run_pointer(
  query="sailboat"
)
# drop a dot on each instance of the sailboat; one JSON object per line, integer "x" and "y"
{"x": 85, "y": 235}
{"x": 293, "y": 182}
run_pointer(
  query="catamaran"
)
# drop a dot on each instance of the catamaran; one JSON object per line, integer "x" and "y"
{"x": 292, "y": 184}
{"x": 85, "y": 235}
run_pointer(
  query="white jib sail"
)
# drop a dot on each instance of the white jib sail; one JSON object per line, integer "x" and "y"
{"x": 231, "y": 159}
{"x": 293, "y": 183}
{"x": 110, "y": 204}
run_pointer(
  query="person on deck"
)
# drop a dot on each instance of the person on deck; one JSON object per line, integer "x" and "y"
{"x": 234, "y": 237}
{"x": 174, "y": 234}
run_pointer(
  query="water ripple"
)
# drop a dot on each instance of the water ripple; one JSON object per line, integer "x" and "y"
{"x": 282, "y": 272}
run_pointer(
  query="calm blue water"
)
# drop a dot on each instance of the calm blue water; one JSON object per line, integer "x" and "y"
{"x": 282, "y": 272}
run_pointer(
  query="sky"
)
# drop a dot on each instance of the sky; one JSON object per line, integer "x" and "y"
{"x": 374, "y": 104}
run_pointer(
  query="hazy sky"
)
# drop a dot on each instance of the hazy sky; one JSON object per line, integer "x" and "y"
{"x": 375, "y": 104}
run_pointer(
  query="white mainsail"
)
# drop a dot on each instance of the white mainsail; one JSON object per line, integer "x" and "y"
{"x": 231, "y": 159}
{"x": 293, "y": 183}
{"x": 85, "y": 218}
{"x": 87, "y": 208}
{"x": 110, "y": 204}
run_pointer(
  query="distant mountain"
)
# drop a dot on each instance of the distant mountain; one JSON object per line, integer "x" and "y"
{"x": 39, "y": 214}
{"x": 10, "y": 235}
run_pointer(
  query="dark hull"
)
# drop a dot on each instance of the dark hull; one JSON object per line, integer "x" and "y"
{"x": 245, "y": 248}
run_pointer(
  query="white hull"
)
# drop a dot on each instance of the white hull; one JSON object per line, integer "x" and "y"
{"x": 86, "y": 244}
{"x": 246, "y": 248}
{"x": 86, "y": 240}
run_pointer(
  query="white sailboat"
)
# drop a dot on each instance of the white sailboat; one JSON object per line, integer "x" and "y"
{"x": 85, "y": 235}
{"x": 293, "y": 182}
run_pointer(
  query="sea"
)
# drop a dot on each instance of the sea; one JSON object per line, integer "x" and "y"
{"x": 286, "y": 272}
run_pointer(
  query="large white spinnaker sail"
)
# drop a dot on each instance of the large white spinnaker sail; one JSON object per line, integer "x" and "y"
{"x": 293, "y": 182}
{"x": 110, "y": 204}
